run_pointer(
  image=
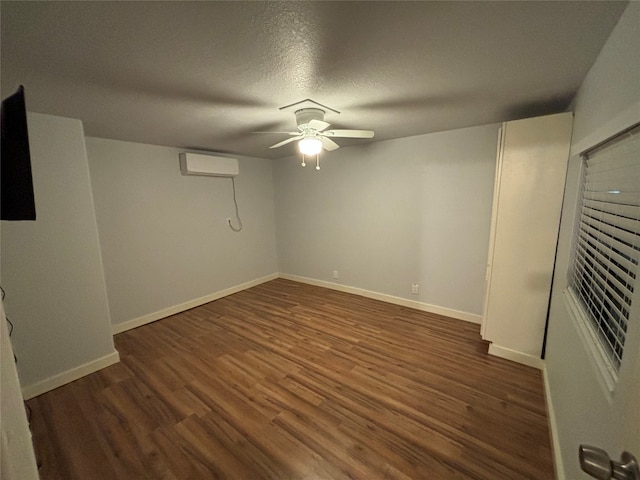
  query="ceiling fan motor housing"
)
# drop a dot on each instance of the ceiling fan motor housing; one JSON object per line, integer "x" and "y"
{"x": 312, "y": 127}
{"x": 305, "y": 115}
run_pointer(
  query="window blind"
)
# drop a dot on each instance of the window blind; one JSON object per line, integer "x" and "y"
{"x": 606, "y": 246}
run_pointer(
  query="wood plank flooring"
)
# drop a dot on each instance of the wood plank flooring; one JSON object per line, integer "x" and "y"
{"x": 291, "y": 381}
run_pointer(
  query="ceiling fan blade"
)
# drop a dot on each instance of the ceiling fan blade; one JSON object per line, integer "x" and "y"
{"x": 349, "y": 133}
{"x": 288, "y": 140}
{"x": 328, "y": 144}
{"x": 318, "y": 125}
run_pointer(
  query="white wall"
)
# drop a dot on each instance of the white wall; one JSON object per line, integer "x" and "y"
{"x": 608, "y": 101}
{"x": 17, "y": 459}
{"x": 164, "y": 236}
{"x": 393, "y": 213}
{"x": 52, "y": 269}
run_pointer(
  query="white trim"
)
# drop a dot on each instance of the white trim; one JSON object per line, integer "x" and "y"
{"x": 69, "y": 376}
{"x": 425, "y": 307}
{"x": 625, "y": 119}
{"x": 492, "y": 232}
{"x": 553, "y": 428}
{"x": 607, "y": 376}
{"x": 196, "y": 302}
{"x": 515, "y": 356}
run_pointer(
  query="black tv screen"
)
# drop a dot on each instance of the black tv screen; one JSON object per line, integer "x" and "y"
{"x": 16, "y": 197}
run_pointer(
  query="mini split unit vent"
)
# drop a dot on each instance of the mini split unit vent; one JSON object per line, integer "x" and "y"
{"x": 208, "y": 165}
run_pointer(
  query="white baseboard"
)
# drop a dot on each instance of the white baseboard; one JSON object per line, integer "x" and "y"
{"x": 425, "y": 307}
{"x": 515, "y": 356}
{"x": 152, "y": 317}
{"x": 167, "y": 312}
{"x": 553, "y": 428}
{"x": 69, "y": 376}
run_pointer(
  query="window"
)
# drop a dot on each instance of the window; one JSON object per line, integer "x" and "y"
{"x": 606, "y": 247}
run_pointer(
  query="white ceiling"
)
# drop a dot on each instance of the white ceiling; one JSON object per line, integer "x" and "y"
{"x": 205, "y": 75}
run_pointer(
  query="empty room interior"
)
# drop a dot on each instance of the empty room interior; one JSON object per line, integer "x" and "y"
{"x": 320, "y": 240}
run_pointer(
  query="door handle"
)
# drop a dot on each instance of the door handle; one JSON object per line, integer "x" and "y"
{"x": 596, "y": 462}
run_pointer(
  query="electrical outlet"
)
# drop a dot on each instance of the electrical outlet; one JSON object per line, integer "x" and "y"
{"x": 336, "y": 274}
{"x": 415, "y": 288}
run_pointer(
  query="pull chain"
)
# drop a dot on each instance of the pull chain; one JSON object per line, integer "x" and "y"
{"x": 317, "y": 161}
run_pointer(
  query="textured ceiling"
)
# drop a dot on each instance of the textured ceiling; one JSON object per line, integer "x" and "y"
{"x": 206, "y": 74}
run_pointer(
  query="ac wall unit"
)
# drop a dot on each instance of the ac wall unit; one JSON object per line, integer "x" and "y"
{"x": 208, "y": 165}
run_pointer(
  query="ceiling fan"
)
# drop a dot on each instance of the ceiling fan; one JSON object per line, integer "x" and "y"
{"x": 312, "y": 135}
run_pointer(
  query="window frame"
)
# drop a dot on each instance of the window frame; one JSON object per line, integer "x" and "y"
{"x": 585, "y": 324}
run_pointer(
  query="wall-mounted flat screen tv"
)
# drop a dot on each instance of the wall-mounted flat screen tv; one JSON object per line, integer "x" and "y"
{"x": 17, "y": 200}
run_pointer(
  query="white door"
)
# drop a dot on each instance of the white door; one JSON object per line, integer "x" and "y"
{"x": 588, "y": 406}
{"x": 530, "y": 178}
{"x": 627, "y": 414}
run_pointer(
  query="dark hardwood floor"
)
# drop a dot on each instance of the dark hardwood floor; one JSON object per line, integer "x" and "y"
{"x": 290, "y": 381}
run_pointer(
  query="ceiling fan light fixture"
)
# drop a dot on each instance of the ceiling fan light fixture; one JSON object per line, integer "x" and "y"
{"x": 310, "y": 146}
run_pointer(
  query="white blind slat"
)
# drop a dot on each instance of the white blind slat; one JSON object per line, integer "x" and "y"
{"x": 621, "y": 198}
{"x": 593, "y": 244}
{"x": 618, "y": 239}
{"x": 628, "y": 211}
{"x": 599, "y": 280}
{"x": 617, "y": 221}
{"x": 627, "y": 184}
{"x": 623, "y": 275}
